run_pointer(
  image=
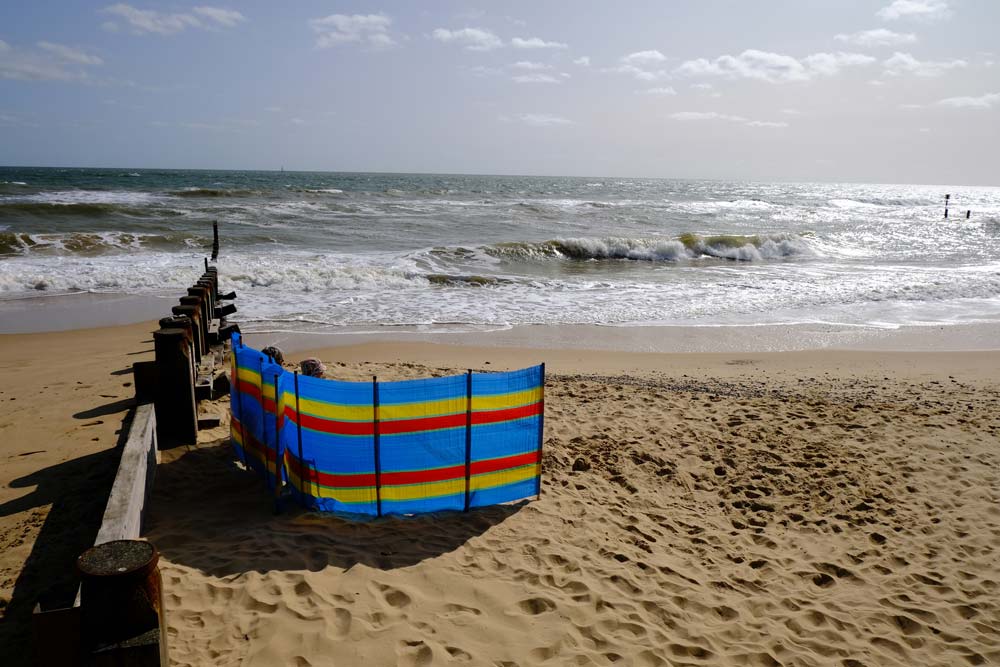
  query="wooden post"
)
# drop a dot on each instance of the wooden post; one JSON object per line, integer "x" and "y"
{"x": 205, "y": 295}
{"x": 968, "y": 214}
{"x": 176, "y": 411}
{"x": 203, "y": 323}
{"x": 192, "y": 313}
{"x": 946, "y": 198}
{"x": 378, "y": 457}
{"x": 468, "y": 437}
{"x": 121, "y": 605}
{"x": 215, "y": 240}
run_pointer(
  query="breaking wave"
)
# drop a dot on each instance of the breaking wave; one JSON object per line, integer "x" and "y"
{"x": 686, "y": 246}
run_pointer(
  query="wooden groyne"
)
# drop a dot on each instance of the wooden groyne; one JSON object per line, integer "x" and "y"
{"x": 117, "y": 617}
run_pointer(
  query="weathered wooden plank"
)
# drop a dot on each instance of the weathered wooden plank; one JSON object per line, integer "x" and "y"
{"x": 134, "y": 481}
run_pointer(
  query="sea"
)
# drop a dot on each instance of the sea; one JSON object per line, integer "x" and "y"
{"x": 367, "y": 252}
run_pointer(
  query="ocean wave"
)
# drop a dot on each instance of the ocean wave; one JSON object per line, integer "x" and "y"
{"x": 687, "y": 246}
{"x": 94, "y": 243}
{"x": 85, "y": 209}
{"x": 216, "y": 192}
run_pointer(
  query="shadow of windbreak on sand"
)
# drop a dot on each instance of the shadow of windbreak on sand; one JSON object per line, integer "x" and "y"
{"x": 208, "y": 514}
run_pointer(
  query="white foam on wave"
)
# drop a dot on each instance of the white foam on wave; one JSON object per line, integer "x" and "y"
{"x": 67, "y": 197}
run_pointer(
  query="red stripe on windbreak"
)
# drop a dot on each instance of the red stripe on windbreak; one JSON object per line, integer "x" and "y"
{"x": 510, "y": 414}
{"x": 398, "y": 426}
{"x": 329, "y": 479}
{"x": 493, "y": 465}
{"x": 249, "y": 389}
{"x": 414, "y": 476}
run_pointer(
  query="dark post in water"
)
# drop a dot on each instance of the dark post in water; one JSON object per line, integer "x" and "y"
{"x": 215, "y": 240}
{"x": 946, "y": 198}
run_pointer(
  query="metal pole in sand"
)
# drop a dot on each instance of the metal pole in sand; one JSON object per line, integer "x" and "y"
{"x": 468, "y": 437}
{"x": 298, "y": 424}
{"x": 277, "y": 448}
{"x": 541, "y": 434}
{"x": 378, "y": 458}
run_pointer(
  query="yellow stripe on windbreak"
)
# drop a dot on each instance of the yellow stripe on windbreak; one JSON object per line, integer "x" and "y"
{"x": 334, "y": 411}
{"x": 248, "y": 375}
{"x": 504, "y": 401}
{"x": 503, "y": 477}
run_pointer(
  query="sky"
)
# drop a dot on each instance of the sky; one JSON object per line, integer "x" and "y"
{"x": 889, "y": 91}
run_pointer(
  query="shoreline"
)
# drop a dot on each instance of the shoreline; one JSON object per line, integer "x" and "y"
{"x": 86, "y": 310}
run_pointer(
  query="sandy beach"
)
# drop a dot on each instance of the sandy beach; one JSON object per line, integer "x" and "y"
{"x": 811, "y": 508}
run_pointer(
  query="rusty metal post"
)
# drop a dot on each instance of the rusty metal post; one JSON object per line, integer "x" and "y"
{"x": 121, "y": 605}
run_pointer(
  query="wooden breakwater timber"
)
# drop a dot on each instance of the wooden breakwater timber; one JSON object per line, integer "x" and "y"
{"x": 117, "y": 617}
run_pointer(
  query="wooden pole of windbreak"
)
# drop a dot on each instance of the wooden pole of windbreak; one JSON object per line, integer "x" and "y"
{"x": 378, "y": 456}
{"x": 298, "y": 424}
{"x": 215, "y": 240}
{"x": 541, "y": 432}
{"x": 946, "y": 198}
{"x": 468, "y": 437}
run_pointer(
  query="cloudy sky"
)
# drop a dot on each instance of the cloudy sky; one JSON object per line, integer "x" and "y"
{"x": 903, "y": 91}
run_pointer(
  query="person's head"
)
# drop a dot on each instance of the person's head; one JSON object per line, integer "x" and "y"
{"x": 312, "y": 367}
{"x": 275, "y": 353}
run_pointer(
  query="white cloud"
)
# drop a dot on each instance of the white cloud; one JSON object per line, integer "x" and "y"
{"x": 148, "y": 20}
{"x": 987, "y": 101}
{"x": 706, "y": 115}
{"x": 638, "y": 65}
{"x": 791, "y": 112}
{"x": 877, "y": 37}
{"x": 728, "y": 118}
{"x": 70, "y": 55}
{"x": 535, "y": 78}
{"x": 296, "y": 121}
{"x": 923, "y": 10}
{"x": 224, "y": 125}
{"x": 51, "y": 62}
{"x": 224, "y": 17}
{"x": 773, "y": 67}
{"x": 876, "y": 82}
{"x": 338, "y": 29}
{"x": 640, "y": 58}
{"x": 531, "y": 66}
{"x": 903, "y": 63}
{"x": 583, "y": 61}
{"x": 659, "y": 92}
{"x": 473, "y": 39}
{"x": 542, "y": 119}
{"x": 536, "y": 43}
